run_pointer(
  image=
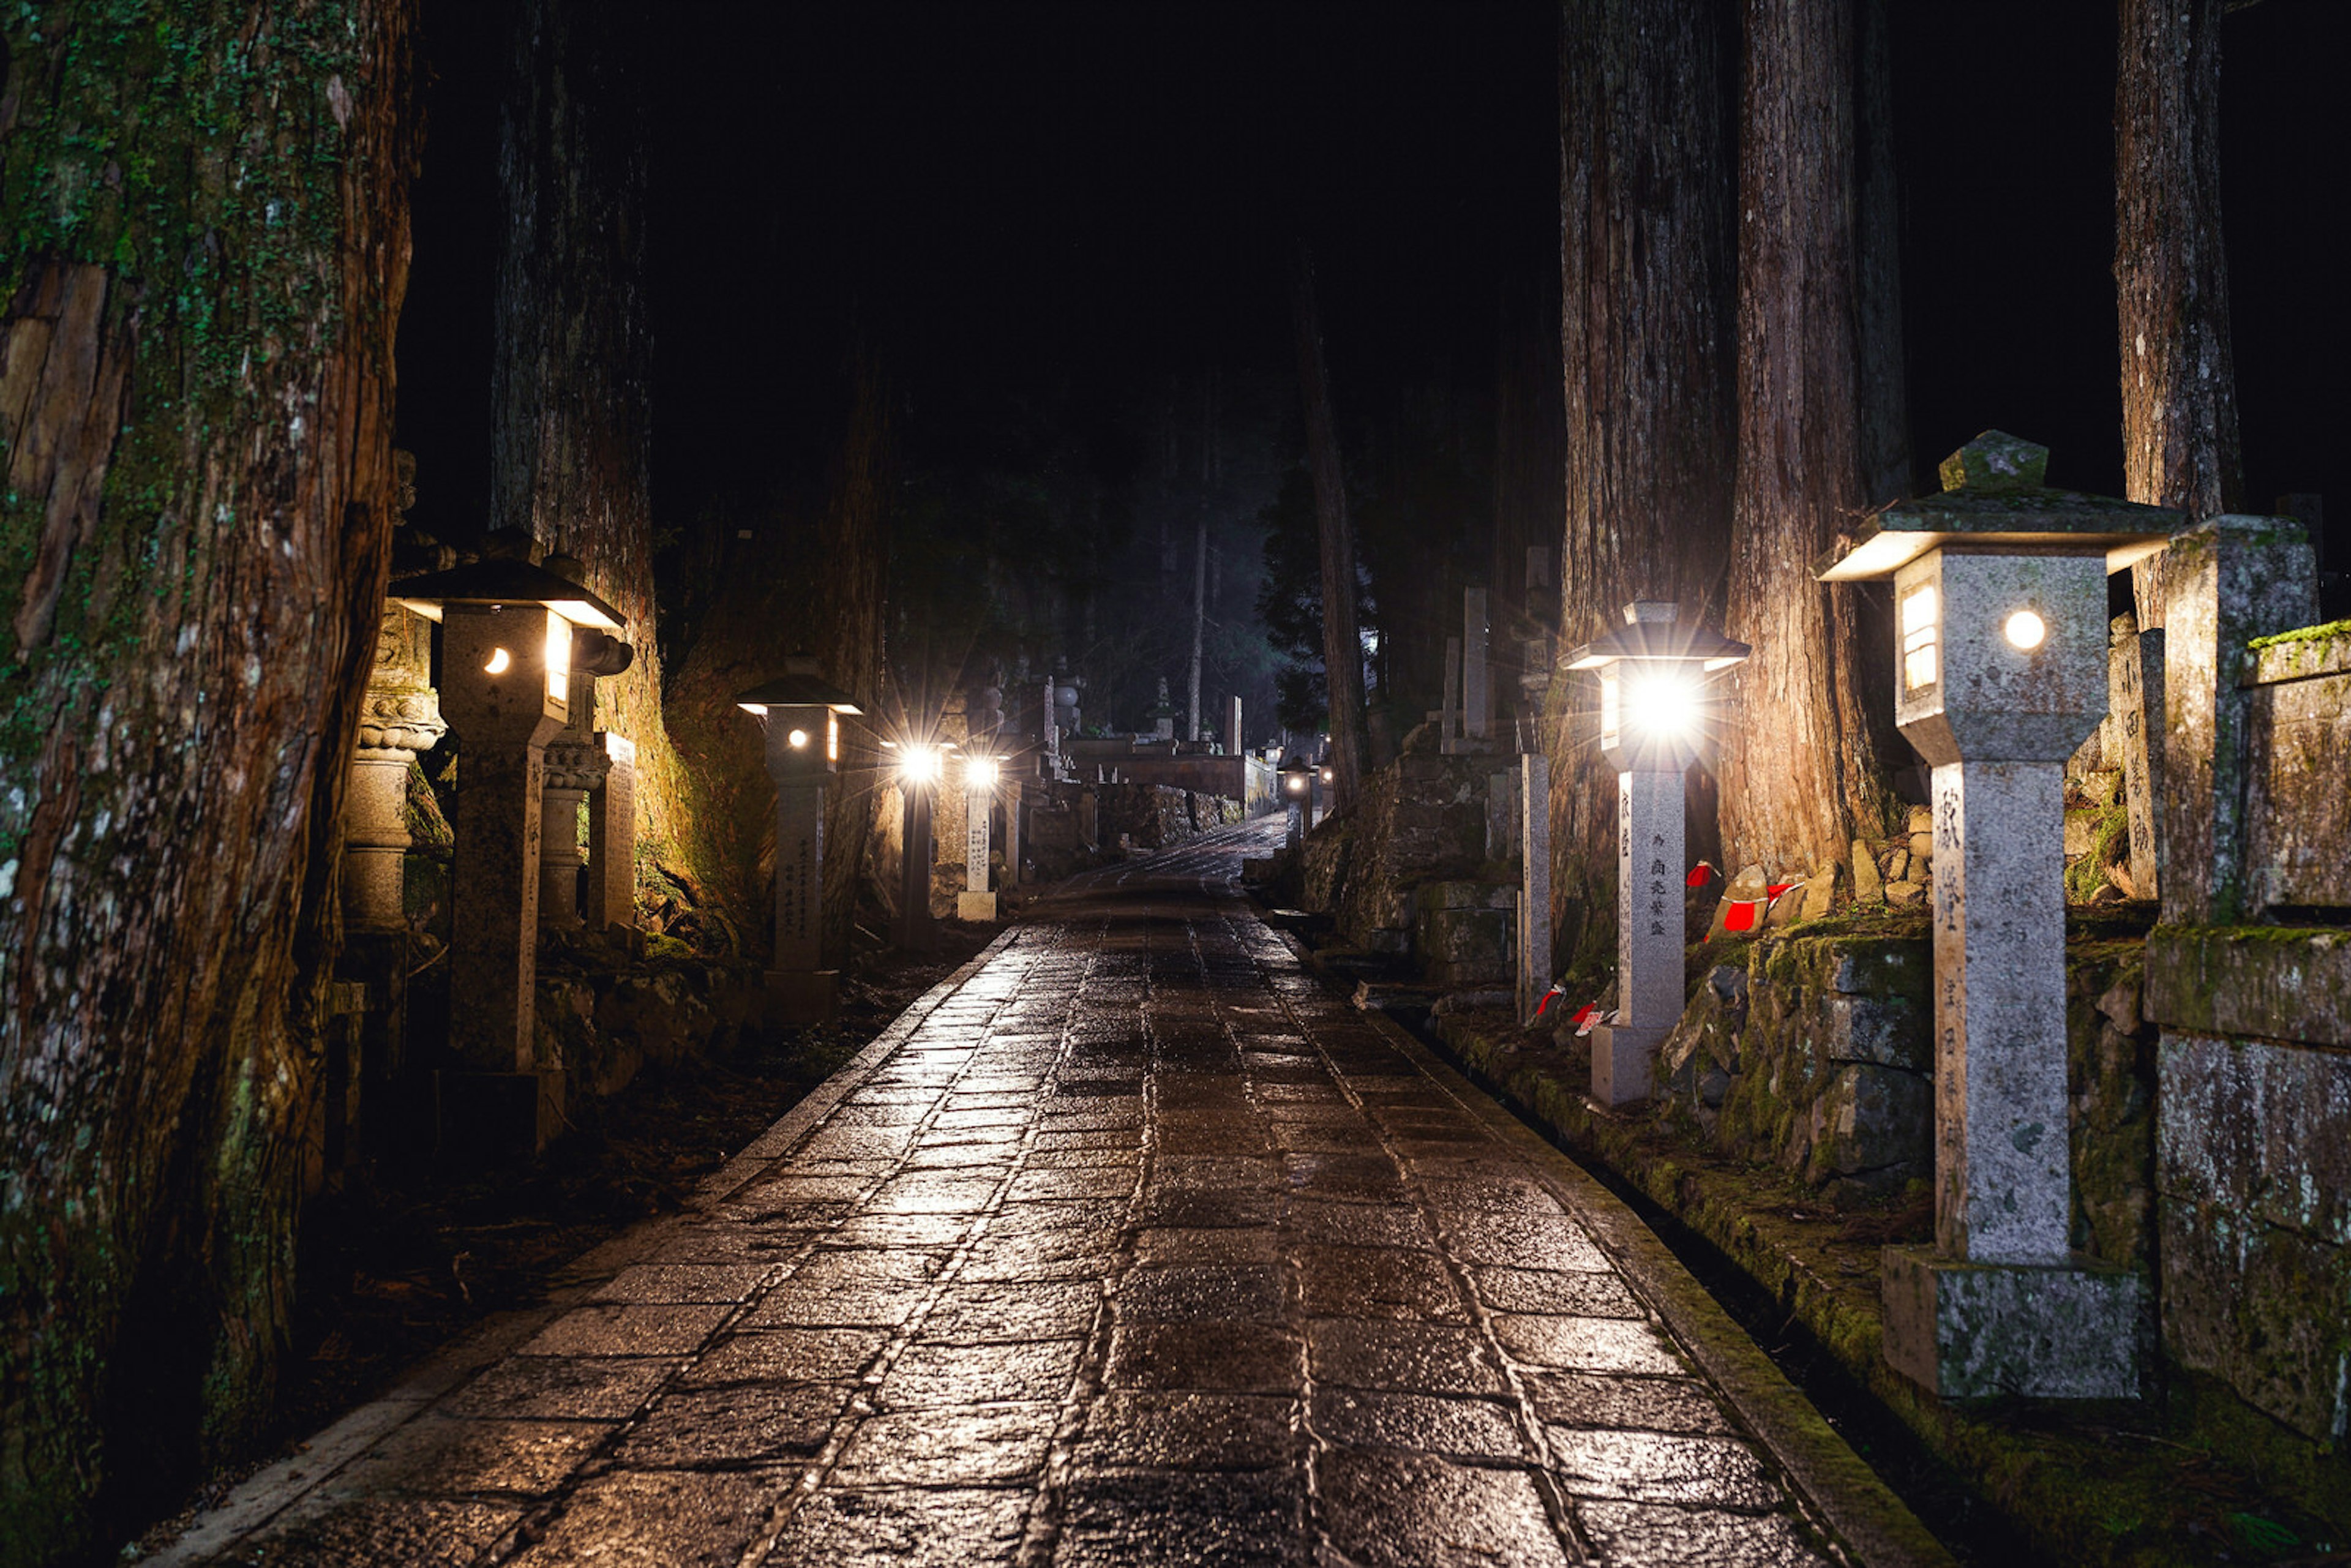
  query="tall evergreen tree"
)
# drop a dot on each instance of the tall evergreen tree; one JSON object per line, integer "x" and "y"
{"x": 207, "y": 222}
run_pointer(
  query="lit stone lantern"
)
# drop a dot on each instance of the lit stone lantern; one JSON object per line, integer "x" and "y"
{"x": 506, "y": 631}
{"x": 980, "y": 775}
{"x": 1653, "y": 712}
{"x": 1296, "y": 797}
{"x": 2001, "y": 672}
{"x": 921, "y": 764}
{"x": 800, "y": 712}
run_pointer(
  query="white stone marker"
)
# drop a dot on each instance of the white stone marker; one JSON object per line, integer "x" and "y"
{"x": 976, "y": 902}
{"x": 1651, "y": 714}
{"x": 2001, "y": 672}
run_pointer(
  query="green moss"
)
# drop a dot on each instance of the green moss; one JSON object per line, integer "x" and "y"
{"x": 2109, "y": 845}
{"x": 2333, "y": 629}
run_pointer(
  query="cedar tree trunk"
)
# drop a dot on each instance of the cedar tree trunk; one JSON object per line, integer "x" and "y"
{"x": 1646, "y": 318}
{"x": 1342, "y": 643}
{"x": 207, "y": 222}
{"x": 1800, "y": 760}
{"x": 2171, "y": 271}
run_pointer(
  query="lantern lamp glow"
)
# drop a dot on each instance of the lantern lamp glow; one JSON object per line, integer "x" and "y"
{"x": 2001, "y": 660}
{"x": 1655, "y": 717}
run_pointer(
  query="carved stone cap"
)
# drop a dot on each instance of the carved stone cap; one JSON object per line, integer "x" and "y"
{"x": 402, "y": 720}
{"x": 576, "y": 765}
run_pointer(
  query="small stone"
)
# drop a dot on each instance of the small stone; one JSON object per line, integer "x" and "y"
{"x": 1897, "y": 866}
{"x": 1922, "y": 846}
{"x": 2101, "y": 786}
{"x": 1900, "y": 893}
{"x": 1922, "y": 821}
{"x": 2121, "y": 1005}
{"x": 1866, "y": 886}
{"x": 1819, "y": 893}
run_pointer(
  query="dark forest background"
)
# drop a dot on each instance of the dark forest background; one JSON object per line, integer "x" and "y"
{"x": 1061, "y": 236}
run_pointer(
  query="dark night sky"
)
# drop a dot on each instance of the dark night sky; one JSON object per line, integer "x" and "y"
{"x": 1078, "y": 201}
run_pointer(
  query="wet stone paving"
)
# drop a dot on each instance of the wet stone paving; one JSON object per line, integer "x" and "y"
{"x": 1142, "y": 1246}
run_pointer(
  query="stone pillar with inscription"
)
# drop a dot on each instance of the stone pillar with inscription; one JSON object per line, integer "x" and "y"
{"x": 1534, "y": 883}
{"x": 2135, "y": 689}
{"x": 2001, "y": 671}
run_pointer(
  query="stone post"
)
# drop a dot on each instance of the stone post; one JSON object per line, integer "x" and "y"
{"x": 976, "y": 902}
{"x": 612, "y": 837}
{"x": 576, "y": 766}
{"x": 1233, "y": 728}
{"x": 1476, "y": 687}
{"x": 400, "y": 721}
{"x": 915, "y": 932}
{"x": 499, "y": 698}
{"x": 2234, "y": 579}
{"x": 1648, "y": 934}
{"x": 1534, "y": 883}
{"x": 2135, "y": 688}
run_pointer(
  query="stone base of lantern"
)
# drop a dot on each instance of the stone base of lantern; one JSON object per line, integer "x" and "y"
{"x": 1623, "y": 1059}
{"x": 803, "y": 996}
{"x": 1974, "y": 1331}
{"x": 499, "y": 1118}
{"x": 975, "y": 906}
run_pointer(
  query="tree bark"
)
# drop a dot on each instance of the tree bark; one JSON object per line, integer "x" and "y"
{"x": 1646, "y": 318}
{"x": 1801, "y": 763}
{"x": 208, "y": 216}
{"x": 571, "y": 395}
{"x": 1342, "y": 643}
{"x": 848, "y": 620}
{"x": 2171, "y": 270}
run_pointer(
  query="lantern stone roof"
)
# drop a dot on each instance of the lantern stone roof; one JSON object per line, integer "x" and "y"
{"x": 800, "y": 685}
{"x": 1651, "y": 632}
{"x": 1993, "y": 499}
{"x": 503, "y": 580}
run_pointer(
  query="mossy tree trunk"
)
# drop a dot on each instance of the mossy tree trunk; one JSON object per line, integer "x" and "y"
{"x": 206, "y": 210}
{"x": 2171, "y": 270}
{"x": 1646, "y": 321}
{"x": 1801, "y": 759}
{"x": 571, "y": 388}
{"x": 853, "y": 560}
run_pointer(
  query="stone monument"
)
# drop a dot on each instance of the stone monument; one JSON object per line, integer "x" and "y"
{"x": 2001, "y": 672}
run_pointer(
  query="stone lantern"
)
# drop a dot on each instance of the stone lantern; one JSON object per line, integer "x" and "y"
{"x": 598, "y": 768}
{"x": 1296, "y": 797}
{"x": 921, "y": 764}
{"x": 800, "y": 712}
{"x": 1653, "y": 712}
{"x": 506, "y": 649}
{"x": 2001, "y": 672}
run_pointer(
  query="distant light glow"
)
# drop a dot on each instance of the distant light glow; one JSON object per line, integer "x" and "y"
{"x": 1294, "y": 782}
{"x": 2026, "y": 631}
{"x": 798, "y": 739}
{"x": 499, "y": 661}
{"x": 920, "y": 764}
{"x": 1329, "y": 774}
{"x": 981, "y": 772}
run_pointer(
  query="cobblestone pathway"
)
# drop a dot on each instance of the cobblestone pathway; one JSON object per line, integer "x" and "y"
{"x": 1138, "y": 1245}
